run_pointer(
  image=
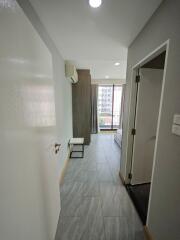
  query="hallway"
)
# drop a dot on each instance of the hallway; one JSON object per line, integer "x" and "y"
{"x": 94, "y": 203}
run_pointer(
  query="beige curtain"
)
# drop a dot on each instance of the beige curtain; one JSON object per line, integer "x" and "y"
{"x": 122, "y": 105}
{"x": 94, "y": 117}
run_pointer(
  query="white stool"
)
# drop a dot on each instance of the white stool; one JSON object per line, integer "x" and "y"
{"x": 77, "y": 142}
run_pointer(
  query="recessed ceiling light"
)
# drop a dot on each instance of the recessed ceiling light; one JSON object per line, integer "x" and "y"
{"x": 95, "y": 3}
{"x": 106, "y": 76}
{"x": 117, "y": 64}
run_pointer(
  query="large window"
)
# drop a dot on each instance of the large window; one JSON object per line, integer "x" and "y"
{"x": 109, "y": 106}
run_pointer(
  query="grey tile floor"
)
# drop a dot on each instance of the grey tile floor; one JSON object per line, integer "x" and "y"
{"x": 94, "y": 203}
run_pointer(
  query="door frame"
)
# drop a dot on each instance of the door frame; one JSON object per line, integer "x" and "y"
{"x": 133, "y": 103}
{"x": 137, "y": 105}
{"x": 163, "y": 47}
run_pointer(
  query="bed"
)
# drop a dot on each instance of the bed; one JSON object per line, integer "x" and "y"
{"x": 118, "y": 137}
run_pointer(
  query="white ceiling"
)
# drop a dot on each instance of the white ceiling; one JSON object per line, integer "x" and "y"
{"x": 95, "y": 38}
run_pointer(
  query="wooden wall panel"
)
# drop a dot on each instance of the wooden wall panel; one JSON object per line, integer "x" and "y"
{"x": 81, "y": 102}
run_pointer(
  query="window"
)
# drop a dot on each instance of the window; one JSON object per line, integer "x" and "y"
{"x": 109, "y": 106}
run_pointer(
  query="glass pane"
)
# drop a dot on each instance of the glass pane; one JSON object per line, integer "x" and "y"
{"x": 117, "y": 106}
{"x": 105, "y": 106}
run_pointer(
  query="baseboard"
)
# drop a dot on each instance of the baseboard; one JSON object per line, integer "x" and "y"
{"x": 61, "y": 178}
{"x": 122, "y": 179}
{"x": 147, "y": 233}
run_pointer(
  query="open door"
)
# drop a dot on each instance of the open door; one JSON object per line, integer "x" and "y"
{"x": 147, "y": 110}
{"x": 147, "y": 95}
{"x": 30, "y": 198}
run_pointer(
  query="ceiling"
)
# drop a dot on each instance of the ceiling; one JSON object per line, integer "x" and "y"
{"x": 95, "y": 38}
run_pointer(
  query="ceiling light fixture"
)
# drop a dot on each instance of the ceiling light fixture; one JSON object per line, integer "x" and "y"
{"x": 106, "y": 76}
{"x": 95, "y": 3}
{"x": 117, "y": 64}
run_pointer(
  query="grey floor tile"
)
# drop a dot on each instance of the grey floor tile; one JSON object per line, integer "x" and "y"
{"x": 76, "y": 175}
{"x": 118, "y": 228}
{"x": 91, "y": 186}
{"x": 116, "y": 178}
{"x": 92, "y": 226}
{"x": 91, "y": 189}
{"x": 110, "y": 197}
{"x": 100, "y": 156}
{"x": 71, "y": 207}
{"x": 114, "y": 229}
{"x": 71, "y": 189}
{"x": 90, "y": 175}
{"x": 68, "y": 229}
{"x": 90, "y": 158}
{"x": 89, "y": 165}
{"x": 104, "y": 173}
{"x": 114, "y": 163}
{"x": 71, "y": 199}
{"x": 94, "y": 203}
{"x": 73, "y": 164}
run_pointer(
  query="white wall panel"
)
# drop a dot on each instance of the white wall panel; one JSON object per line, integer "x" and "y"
{"x": 164, "y": 211}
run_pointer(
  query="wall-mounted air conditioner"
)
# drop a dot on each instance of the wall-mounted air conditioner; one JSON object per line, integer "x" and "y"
{"x": 70, "y": 72}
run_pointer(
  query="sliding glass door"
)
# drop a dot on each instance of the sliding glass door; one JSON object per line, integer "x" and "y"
{"x": 117, "y": 106}
{"x": 105, "y": 98}
{"x": 109, "y": 106}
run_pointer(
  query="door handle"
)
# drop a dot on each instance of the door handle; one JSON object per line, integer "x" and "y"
{"x": 57, "y": 147}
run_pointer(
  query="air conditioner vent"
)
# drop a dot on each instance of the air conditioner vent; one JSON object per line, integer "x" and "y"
{"x": 70, "y": 72}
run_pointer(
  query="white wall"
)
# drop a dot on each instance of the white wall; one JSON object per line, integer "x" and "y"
{"x": 29, "y": 184}
{"x": 63, "y": 91}
{"x": 164, "y": 210}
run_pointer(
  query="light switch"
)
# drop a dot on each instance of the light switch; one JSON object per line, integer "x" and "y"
{"x": 176, "y": 119}
{"x": 176, "y": 129}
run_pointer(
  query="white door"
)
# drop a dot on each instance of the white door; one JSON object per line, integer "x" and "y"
{"x": 147, "y": 111}
{"x": 29, "y": 189}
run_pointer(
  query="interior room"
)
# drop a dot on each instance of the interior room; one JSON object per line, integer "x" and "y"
{"x": 89, "y": 120}
{"x": 98, "y": 111}
{"x": 148, "y": 95}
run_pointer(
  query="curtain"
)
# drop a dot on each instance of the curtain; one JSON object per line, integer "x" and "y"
{"x": 122, "y": 105}
{"x": 94, "y": 117}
